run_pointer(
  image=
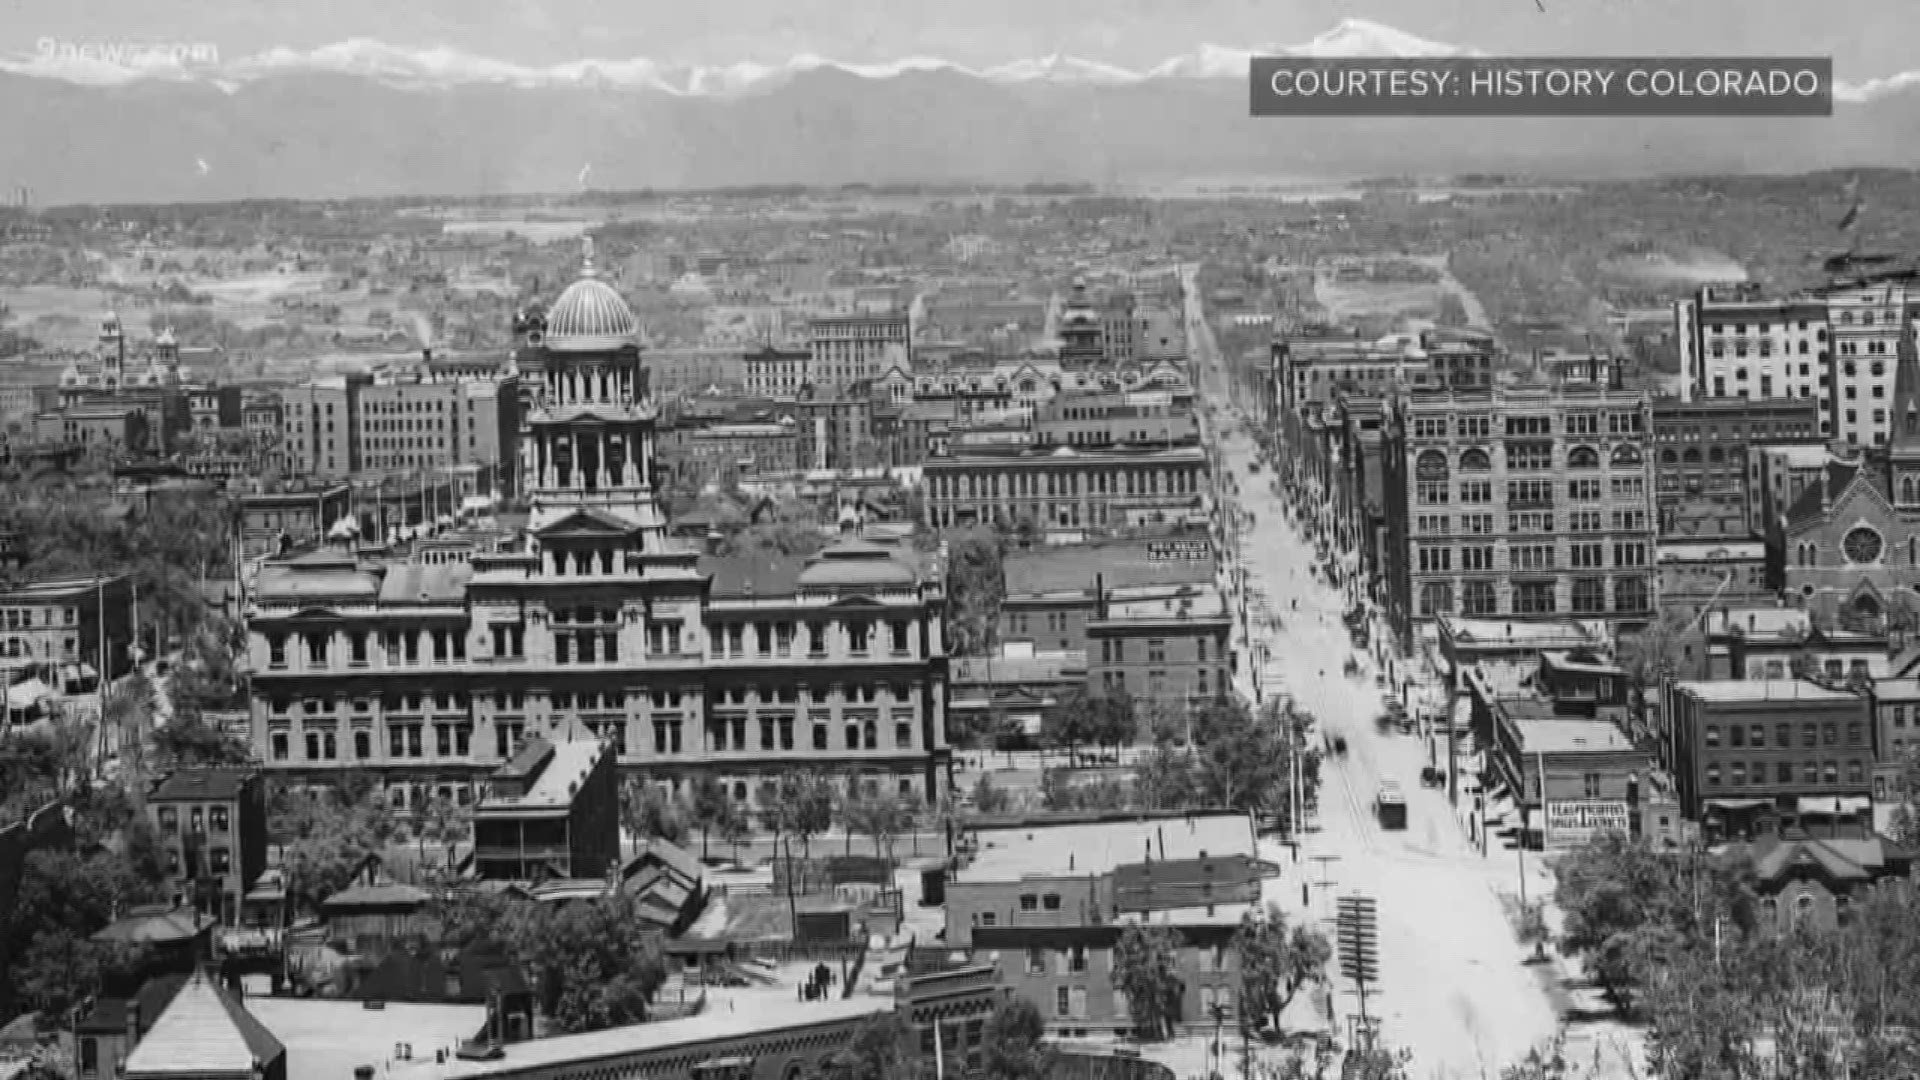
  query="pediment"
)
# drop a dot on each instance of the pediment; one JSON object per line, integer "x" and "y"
{"x": 856, "y": 602}
{"x": 586, "y": 524}
{"x": 314, "y": 614}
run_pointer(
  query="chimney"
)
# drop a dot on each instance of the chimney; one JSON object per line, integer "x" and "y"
{"x": 1162, "y": 830}
{"x": 426, "y": 354}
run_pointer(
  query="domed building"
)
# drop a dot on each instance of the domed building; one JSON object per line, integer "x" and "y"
{"x": 744, "y": 668}
{"x": 588, "y": 445}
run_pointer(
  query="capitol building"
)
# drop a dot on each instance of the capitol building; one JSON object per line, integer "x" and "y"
{"x": 594, "y": 622}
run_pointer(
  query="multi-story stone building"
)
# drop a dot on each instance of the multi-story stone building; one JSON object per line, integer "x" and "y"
{"x": 775, "y": 372}
{"x": 843, "y": 349}
{"x": 1707, "y": 478}
{"x": 60, "y": 628}
{"x": 1050, "y": 904}
{"x": 212, "y": 825}
{"x": 1315, "y": 366}
{"x": 420, "y": 422}
{"x": 1524, "y": 503}
{"x": 595, "y": 620}
{"x": 1835, "y": 345}
{"x": 1065, "y": 489}
{"x": 1744, "y": 750}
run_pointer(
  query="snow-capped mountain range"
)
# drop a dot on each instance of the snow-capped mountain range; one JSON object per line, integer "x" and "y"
{"x": 364, "y": 118}
{"x": 438, "y": 67}
{"x": 443, "y": 67}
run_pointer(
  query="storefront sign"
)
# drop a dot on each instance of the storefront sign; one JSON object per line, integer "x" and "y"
{"x": 1179, "y": 550}
{"x": 1575, "y": 822}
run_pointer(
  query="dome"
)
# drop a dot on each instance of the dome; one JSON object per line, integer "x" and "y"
{"x": 590, "y": 316}
{"x": 856, "y": 564}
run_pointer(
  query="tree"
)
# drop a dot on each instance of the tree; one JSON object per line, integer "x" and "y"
{"x": 882, "y": 817}
{"x": 734, "y": 829}
{"x": 1276, "y": 961}
{"x": 189, "y": 742}
{"x": 976, "y": 584}
{"x": 814, "y": 802}
{"x": 1654, "y": 651}
{"x": 1146, "y": 968}
{"x": 443, "y": 822}
{"x": 60, "y": 970}
{"x": 1016, "y": 1046}
{"x": 990, "y": 798}
{"x": 712, "y": 807}
{"x": 593, "y": 966}
{"x": 648, "y": 811}
{"x": 883, "y": 1047}
{"x": 1626, "y": 905}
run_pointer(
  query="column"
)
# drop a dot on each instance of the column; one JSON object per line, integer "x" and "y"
{"x": 601, "y": 441}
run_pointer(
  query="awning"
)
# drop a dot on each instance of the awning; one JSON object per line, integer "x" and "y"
{"x": 1829, "y": 804}
{"x": 1739, "y": 804}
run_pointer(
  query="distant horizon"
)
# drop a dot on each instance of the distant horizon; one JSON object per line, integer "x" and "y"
{"x": 1275, "y": 188}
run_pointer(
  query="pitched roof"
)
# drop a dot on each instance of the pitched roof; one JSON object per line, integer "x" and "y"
{"x": 146, "y": 927}
{"x": 203, "y": 1031}
{"x": 200, "y": 785}
{"x": 411, "y": 584}
{"x": 1835, "y": 858}
{"x": 1813, "y": 503}
{"x": 753, "y": 575}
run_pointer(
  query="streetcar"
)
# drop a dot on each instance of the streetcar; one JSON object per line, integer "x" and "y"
{"x": 1390, "y": 805}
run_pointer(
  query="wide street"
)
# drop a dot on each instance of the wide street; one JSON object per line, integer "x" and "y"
{"x": 1454, "y": 989}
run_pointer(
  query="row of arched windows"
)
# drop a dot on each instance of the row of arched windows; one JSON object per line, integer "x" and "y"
{"x": 1691, "y": 456}
{"x": 1432, "y": 464}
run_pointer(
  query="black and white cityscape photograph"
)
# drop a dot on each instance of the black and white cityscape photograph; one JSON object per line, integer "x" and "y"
{"x": 1004, "y": 540}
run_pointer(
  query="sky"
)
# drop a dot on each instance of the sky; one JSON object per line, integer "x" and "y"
{"x": 1867, "y": 38}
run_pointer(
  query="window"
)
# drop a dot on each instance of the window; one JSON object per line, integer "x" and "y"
{"x": 218, "y": 819}
{"x": 1432, "y": 493}
{"x": 1533, "y": 598}
{"x": 1476, "y": 558}
{"x": 1589, "y": 595}
{"x": 1479, "y": 598}
{"x": 1036, "y": 961}
{"x": 1476, "y": 491}
{"x": 857, "y": 635}
{"x": 1713, "y": 734}
{"x": 900, "y": 636}
{"x": 1590, "y": 785}
{"x": 1062, "y": 1001}
{"x": 1029, "y": 902}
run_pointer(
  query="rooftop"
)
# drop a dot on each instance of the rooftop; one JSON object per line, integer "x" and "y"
{"x": 553, "y": 785}
{"x": 1762, "y": 690}
{"x": 1099, "y": 847}
{"x": 1149, "y": 602}
{"x": 326, "y": 1040}
{"x": 203, "y": 1032}
{"x": 1564, "y": 736}
{"x": 722, "y": 1019}
{"x": 200, "y": 785}
{"x": 1518, "y": 634}
{"x": 1073, "y": 569}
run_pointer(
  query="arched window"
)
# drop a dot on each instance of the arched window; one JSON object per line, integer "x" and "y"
{"x": 1906, "y": 489}
{"x": 1717, "y": 455}
{"x": 1436, "y": 598}
{"x": 1668, "y": 457}
{"x": 1846, "y": 318}
{"x": 1626, "y": 455}
{"x": 1431, "y": 465}
{"x": 1475, "y": 461}
{"x": 1583, "y": 457}
{"x": 1692, "y": 456}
